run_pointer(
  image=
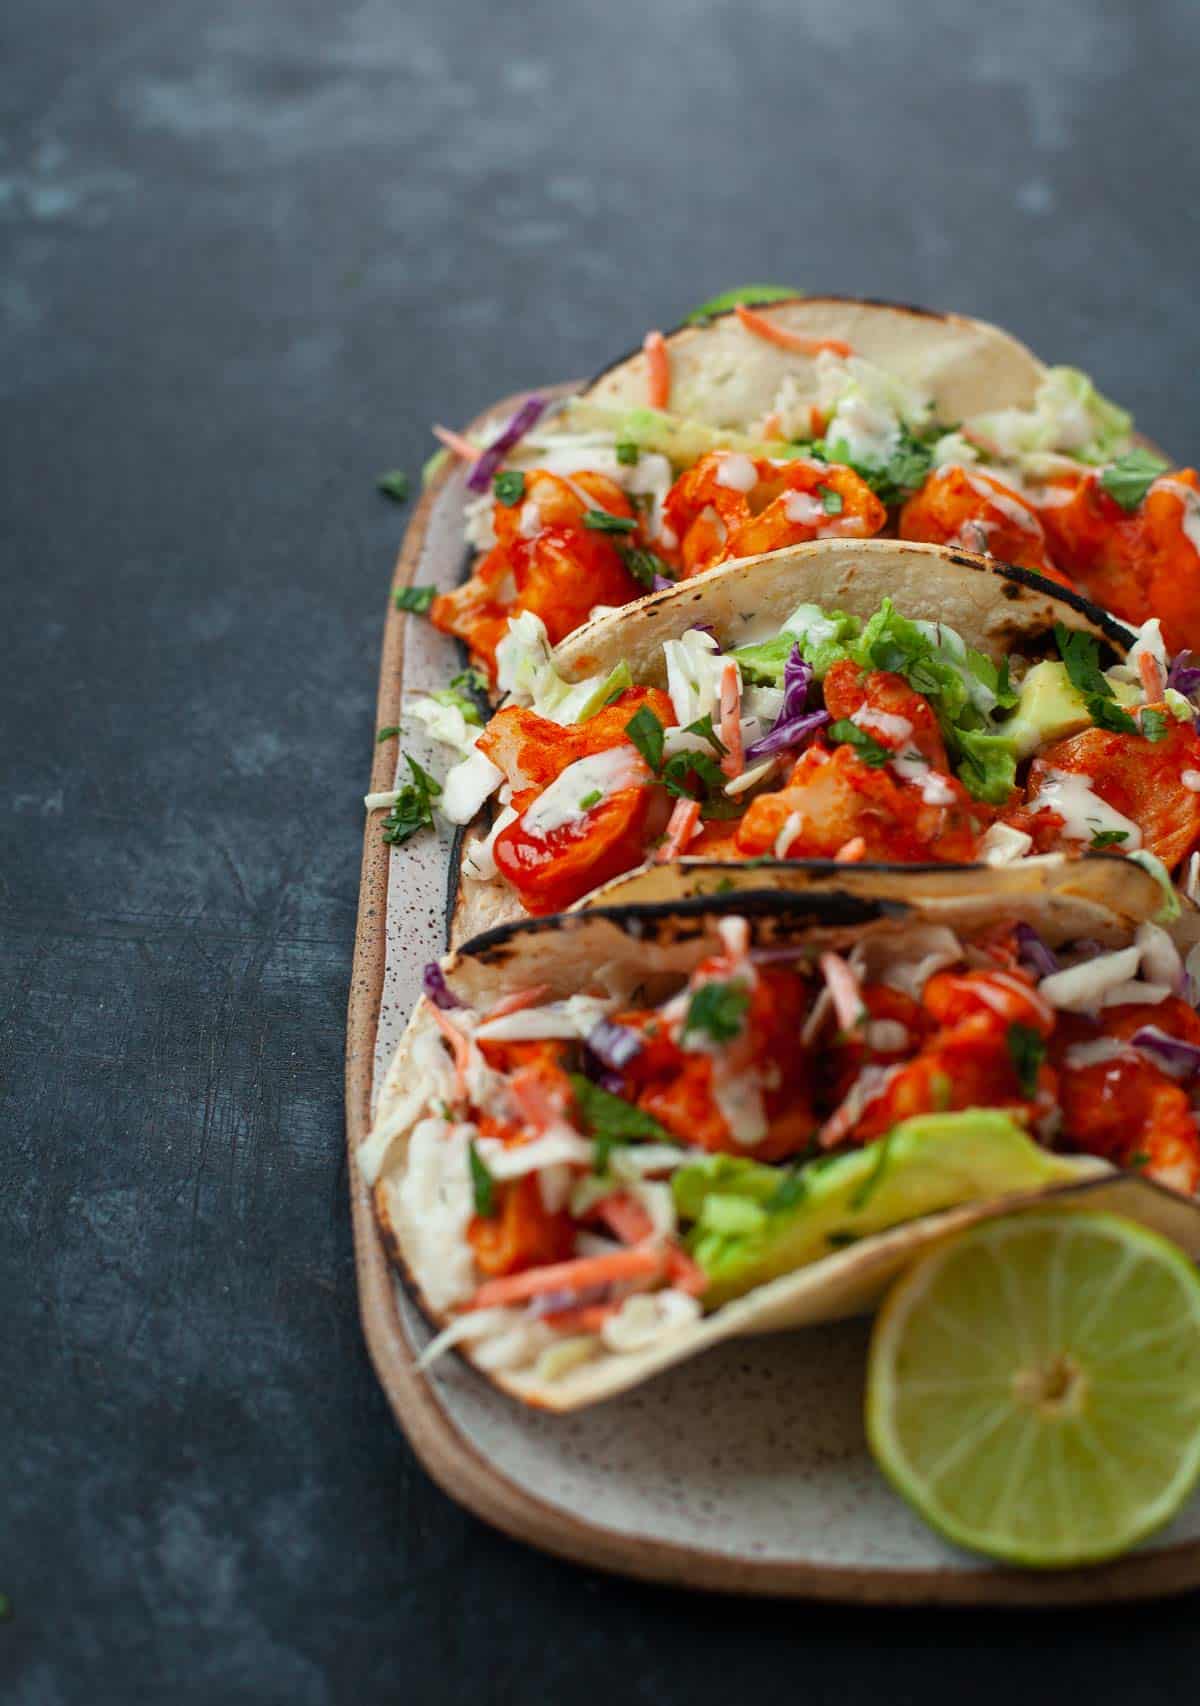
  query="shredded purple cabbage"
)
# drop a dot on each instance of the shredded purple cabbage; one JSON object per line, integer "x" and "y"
{"x": 705, "y": 628}
{"x": 434, "y": 984}
{"x": 1184, "y": 675}
{"x": 1180, "y": 1059}
{"x": 614, "y": 1046}
{"x": 480, "y": 477}
{"x": 1034, "y": 951}
{"x": 794, "y": 725}
{"x": 660, "y": 583}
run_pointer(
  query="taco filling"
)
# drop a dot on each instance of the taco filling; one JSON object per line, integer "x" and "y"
{"x": 592, "y": 1173}
{"x": 589, "y": 503}
{"x": 829, "y": 737}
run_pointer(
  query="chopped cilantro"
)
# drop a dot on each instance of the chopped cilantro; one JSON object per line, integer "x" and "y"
{"x": 644, "y": 566}
{"x": 1109, "y": 838}
{"x": 1153, "y": 724}
{"x": 604, "y": 521}
{"x": 469, "y": 680}
{"x": 590, "y": 800}
{"x": 483, "y": 1185}
{"x": 1027, "y": 1051}
{"x": 831, "y": 501}
{"x": 628, "y": 453}
{"x": 1107, "y": 715}
{"x": 415, "y": 598}
{"x": 1130, "y": 477}
{"x": 891, "y": 481}
{"x": 509, "y": 487}
{"x": 413, "y": 808}
{"x": 394, "y": 485}
{"x": 718, "y": 1010}
{"x": 1140, "y": 1158}
{"x": 387, "y": 733}
{"x": 870, "y": 1184}
{"x": 610, "y": 1120}
{"x": 1081, "y": 654}
{"x": 703, "y": 726}
{"x": 646, "y": 733}
{"x": 871, "y": 751}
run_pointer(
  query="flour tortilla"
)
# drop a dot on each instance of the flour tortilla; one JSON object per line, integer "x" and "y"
{"x": 725, "y": 376}
{"x": 656, "y": 945}
{"x": 996, "y": 608}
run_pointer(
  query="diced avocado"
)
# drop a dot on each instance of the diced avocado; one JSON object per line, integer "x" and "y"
{"x": 785, "y": 1221}
{"x": 1050, "y": 706}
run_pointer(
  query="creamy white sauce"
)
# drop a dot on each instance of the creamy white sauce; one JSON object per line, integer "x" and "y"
{"x": 1008, "y": 505}
{"x": 1190, "y": 780}
{"x": 737, "y": 473}
{"x": 803, "y": 510}
{"x": 1083, "y": 812}
{"x": 893, "y": 728}
{"x": 562, "y": 802}
{"x": 479, "y": 861}
{"x": 530, "y": 523}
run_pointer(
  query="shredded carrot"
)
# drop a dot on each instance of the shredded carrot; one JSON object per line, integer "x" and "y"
{"x": 1151, "y": 675}
{"x": 816, "y": 420}
{"x": 843, "y": 989}
{"x": 684, "y": 1274}
{"x": 568, "y": 1276}
{"x": 520, "y": 999}
{"x": 761, "y": 327}
{"x": 681, "y": 827}
{"x": 537, "y": 1102}
{"x": 734, "y": 761}
{"x": 772, "y": 426}
{"x": 460, "y": 1047}
{"x": 457, "y": 443}
{"x": 626, "y": 1217}
{"x": 658, "y": 370}
{"x": 584, "y": 1318}
{"x": 850, "y": 852}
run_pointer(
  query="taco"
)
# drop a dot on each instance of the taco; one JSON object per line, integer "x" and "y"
{"x": 873, "y": 701}
{"x": 767, "y": 427}
{"x": 610, "y": 1139}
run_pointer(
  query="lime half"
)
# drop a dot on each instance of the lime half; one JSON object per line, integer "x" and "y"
{"x": 1034, "y": 1387}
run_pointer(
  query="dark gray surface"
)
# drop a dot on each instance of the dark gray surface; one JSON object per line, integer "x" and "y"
{"x": 252, "y": 248}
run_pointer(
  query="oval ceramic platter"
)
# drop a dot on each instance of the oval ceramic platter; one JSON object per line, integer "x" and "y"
{"x": 745, "y": 1470}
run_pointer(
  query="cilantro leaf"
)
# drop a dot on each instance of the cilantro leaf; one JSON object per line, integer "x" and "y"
{"x": 590, "y": 800}
{"x": 644, "y": 566}
{"x": 791, "y": 1190}
{"x": 1027, "y": 1051}
{"x": 871, "y": 751}
{"x": 415, "y": 598}
{"x": 610, "y": 1120}
{"x": 387, "y": 733}
{"x": 646, "y": 733}
{"x": 413, "y": 808}
{"x": 718, "y": 1010}
{"x": 509, "y": 487}
{"x": 604, "y": 521}
{"x": 1130, "y": 477}
{"x": 394, "y": 485}
{"x": 1109, "y": 838}
{"x": 891, "y": 481}
{"x": 831, "y": 501}
{"x": 483, "y": 1186}
{"x": 703, "y": 726}
{"x": 1108, "y": 715}
{"x": 1081, "y": 654}
{"x": 628, "y": 453}
{"x": 1153, "y": 724}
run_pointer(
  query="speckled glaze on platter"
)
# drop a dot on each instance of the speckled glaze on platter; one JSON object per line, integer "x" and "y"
{"x": 743, "y": 1471}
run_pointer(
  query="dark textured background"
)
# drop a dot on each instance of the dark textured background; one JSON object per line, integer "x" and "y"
{"x": 252, "y": 247}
